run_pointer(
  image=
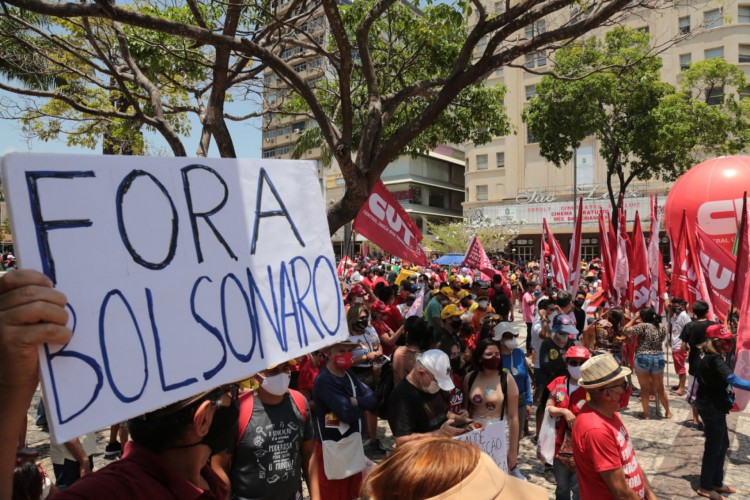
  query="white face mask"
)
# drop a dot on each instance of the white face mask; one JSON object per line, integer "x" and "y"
{"x": 575, "y": 372}
{"x": 433, "y": 388}
{"x": 359, "y": 300}
{"x": 483, "y": 303}
{"x": 277, "y": 384}
{"x": 511, "y": 344}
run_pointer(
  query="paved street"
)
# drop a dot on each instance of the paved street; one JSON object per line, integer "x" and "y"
{"x": 669, "y": 450}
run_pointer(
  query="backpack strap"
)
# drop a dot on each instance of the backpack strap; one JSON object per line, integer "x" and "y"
{"x": 504, "y": 389}
{"x": 301, "y": 402}
{"x": 246, "y": 401}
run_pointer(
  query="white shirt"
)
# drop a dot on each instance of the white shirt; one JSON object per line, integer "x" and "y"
{"x": 678, "y": 323}
{"x": 58, "y": 453}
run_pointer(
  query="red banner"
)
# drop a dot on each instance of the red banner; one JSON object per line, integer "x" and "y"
{"x": 640, "y": 277}
{"x": 742, "y": 361}
{"x": 574, "y": 259}
{"x": 717, "y": 266}
{"x": 621, "y": 281}
{"x": 384, "y": 221}
{"x": 558, "y": 261}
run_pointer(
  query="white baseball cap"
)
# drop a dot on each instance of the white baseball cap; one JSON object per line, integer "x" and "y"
{"x": 438, "y": 364}
{"x": 504, "y": 327}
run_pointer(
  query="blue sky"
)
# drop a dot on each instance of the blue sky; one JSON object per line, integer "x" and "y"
{"x": 246, "y": 135}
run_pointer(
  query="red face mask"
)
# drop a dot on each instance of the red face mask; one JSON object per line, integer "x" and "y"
{"x": 625, "y": 398}
{"x": 343, "y": 361}
{"x": 725, "y": 346}
{"x": 492, "y": 363}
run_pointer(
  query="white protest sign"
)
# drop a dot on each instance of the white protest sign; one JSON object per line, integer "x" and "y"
{"x": 491, "y": 440}
{"x": 181, "y": 275}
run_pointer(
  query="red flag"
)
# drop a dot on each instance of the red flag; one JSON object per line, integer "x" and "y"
{"x": 607, "y": 270}
{"x": 384, "y": 221}
{"x": 655, "y": 262}
{"x": 743, "y": 256}
{"x": 622, "y": 270}
{"x": 685, "y": 278}
{"x": 717, "y": 266}
{"x": 640, "y": 277}
{"x": 575, "y": 252}
{"x": 558, "y": 261}
{"x": 477, "y": 258}
{"x": 741, "y": 292}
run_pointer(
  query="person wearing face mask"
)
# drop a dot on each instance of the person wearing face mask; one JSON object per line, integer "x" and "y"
{"x": 491, "y": 396}
{"x": 456, "y": 398}
{"x": 419, "y": 404}
{"x": 366, "y": 359}
{"x": 606, "y": 464}
{"x": 442, "y": 298}
{"x": 579, "y": 303}
{"x": 451, "y": 315}
{"x": 565, "y": 401}
{"x": 482, "y": 309}
{"x": 285, "y": 447}
{"x": 552, "y": 357}
{"x": 528, "y": 308}
{"x": 341, "y": 399}
{"x": 514, "y": 362}
{"x": 714, "y": 400}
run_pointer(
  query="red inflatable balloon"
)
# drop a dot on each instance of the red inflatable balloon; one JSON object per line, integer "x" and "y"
{"x": 711, "y": 194}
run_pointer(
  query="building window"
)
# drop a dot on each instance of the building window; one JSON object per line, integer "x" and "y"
{"x": 536, "y": 59}
{"x": 500, "y": 158}
{"x": 684, "y": 25}
{"x": 713, "y": 19}
{"x": 744, "y": 54}
{"x": 530, "y": 91}
{"x": 530, "y": 137}
{"x": 713, "y": 53}
{"x": 589, "y": 252}
{"x": 499, "y": 73}
{"x": 744, "y": 93}
{"x": 481, "y": 162}
{"x": 535, "y": 28}
{"x": 269, "y": 153}
{"x": 684, "y": 61}
{"x": 525, "y": 252}
{"x": 715, "y": 96}
{"x": 482, "y": 193}
{"x": 298, "y": 127}
{"x": 743, "y": 14}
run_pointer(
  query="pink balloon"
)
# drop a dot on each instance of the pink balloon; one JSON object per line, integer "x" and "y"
{"x": 711, "y": 194}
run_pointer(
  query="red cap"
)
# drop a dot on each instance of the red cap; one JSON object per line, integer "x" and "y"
{"x": 378, "y": 307}
{"x": 578, "y": 352}
{"x": 358, "y": 291}
{"x": 720, "y": 332}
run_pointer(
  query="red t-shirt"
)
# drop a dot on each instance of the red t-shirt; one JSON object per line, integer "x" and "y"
{"x": 381, "y": 327}
{"x": 393, "y": 317}
{"x": 601, "y": 444}
{"x": 141, "y": 475}
{"x": 558, "y": 390}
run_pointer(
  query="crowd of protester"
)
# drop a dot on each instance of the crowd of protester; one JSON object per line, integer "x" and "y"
{"x": 434, "y": 352}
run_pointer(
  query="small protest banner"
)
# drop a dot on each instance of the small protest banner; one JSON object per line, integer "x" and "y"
{"x": 181, "y": 275}
{"x": 491, "y": 440}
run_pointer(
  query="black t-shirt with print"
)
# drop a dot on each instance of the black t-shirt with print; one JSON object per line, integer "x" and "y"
{"x": 411, "y": 411}
{"x": 267, "y": 464}
{"x": 712, "y": 372}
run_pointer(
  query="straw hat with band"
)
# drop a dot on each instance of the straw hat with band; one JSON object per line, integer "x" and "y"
{"x": 600, "y": 371}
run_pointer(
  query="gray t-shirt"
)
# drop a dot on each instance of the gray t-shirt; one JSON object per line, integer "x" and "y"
{"x": 267, "y": 464}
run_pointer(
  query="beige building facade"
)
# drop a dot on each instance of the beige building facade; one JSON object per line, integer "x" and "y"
{"x": 508, "y": 180}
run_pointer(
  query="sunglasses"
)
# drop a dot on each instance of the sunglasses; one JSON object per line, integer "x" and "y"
{"x": 574, "y": 362}
{"x": 623, "y": 385}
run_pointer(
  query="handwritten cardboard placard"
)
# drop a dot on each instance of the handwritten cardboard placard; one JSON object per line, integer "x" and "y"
{"x": 181, "y": 275}
{"x": 491, "y": 440}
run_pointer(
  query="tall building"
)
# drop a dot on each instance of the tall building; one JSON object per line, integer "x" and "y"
{"x": 429, "y": 186}
{"x": 508, "y": 179}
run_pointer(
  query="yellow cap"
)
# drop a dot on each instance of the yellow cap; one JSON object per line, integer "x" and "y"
{"x": 451, "y": 310}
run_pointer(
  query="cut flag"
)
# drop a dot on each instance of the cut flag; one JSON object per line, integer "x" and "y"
{"x": 607, "y": 272}
{"x": 621, "y": 280}
{"x": 574, "y": 259}
{"x": 558, "y": 261}
{"x": 742, "y": 295}
{"x": 655, "y": 261}
{"x": 717, "y": 266}
{"x": 477, "y": 258}
{"x": 640, "y": 277}
{"x": 384, "y": 221}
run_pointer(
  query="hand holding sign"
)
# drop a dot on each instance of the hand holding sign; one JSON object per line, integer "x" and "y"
{"x": 179, "y": 276}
